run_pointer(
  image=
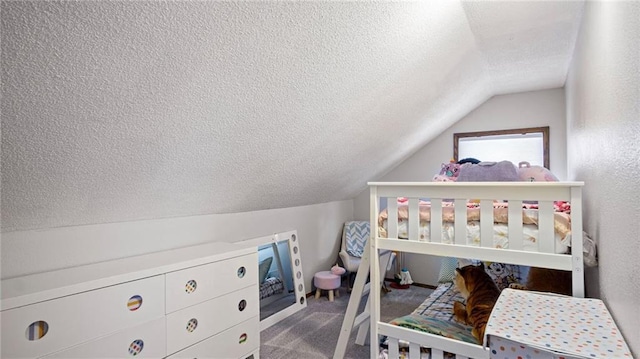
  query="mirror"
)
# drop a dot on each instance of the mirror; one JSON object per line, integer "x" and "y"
{"x": 280, "y": 278}
{"x": 520, "y": 144}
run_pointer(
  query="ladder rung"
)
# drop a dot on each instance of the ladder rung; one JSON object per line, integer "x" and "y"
{"x": 361, "y": 318}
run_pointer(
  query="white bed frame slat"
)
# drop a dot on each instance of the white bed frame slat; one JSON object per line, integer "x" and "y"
{"x": 576, "y": 242}
{"x": 545, "y": 227}
{"x": 392, "y": 220}
{"x": 374, "y": 262}
{"x": 394, "y": 348}
{"x": 554, "y": 261}
{"x": 414, "y": 218}
{"x": 486, "y": 223}
{"x": 460, "y": 222}
{"x": 516, "y": 235}
{"x": 437, "y": 354}
{"x": 435, "y": 230}
{"x": 515, "y": 192}
{"x": 414, "y": 351}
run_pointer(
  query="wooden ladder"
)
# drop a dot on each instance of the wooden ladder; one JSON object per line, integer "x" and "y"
{"x": 360, "y": 288}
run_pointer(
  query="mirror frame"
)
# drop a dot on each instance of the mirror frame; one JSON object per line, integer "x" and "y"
{"x": 523, "y": 131}
{"x": 298, "y": 281}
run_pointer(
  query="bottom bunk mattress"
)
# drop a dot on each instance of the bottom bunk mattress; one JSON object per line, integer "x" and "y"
{"x": 435, "y": 316}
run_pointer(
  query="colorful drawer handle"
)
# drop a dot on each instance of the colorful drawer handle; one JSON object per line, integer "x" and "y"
{"x": 134, "y": 303}
{"x": 191, "y": 286}
{"x": 37, "y": 330}
{"x": 192, "y": 325}
{"x": 243, "y": 338}
{"x": 242, "y": 305}
{"x": 136, "y": 347}
{"x": 241, "y": 272}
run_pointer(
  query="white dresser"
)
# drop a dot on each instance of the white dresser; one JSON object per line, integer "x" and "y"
{"x": 194, "y": 302}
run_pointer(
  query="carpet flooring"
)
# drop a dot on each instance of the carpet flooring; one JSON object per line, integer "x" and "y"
{"x": 312, "y": 333}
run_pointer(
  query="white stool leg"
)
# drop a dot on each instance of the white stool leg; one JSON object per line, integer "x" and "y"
{"x": 317, "y": 293}
{"x": 331, "y": 295}
{"x": 337, "y": 293}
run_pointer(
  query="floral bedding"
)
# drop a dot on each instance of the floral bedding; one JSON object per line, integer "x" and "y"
{"x": 562, "y": 220}
{"x": 500, "y": 235}
{"x": 447, "y": 329}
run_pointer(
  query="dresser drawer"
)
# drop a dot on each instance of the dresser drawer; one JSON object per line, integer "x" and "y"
{"x": 198, "y": 284}
{"x": 142, "y": 341}
{"x": 239, "y": 341}
{"x": 191, "y": 325}
{"x": 43, "y": 328}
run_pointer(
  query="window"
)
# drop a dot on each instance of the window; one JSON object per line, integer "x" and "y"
{"x": 516, "y": 145}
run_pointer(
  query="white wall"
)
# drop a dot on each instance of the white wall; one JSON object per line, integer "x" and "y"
{"x": 319, "y": 229}
{"x": 603, "y": 127}
{"x": 527, "y": 109}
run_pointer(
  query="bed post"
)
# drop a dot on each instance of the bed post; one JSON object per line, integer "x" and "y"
{"x": 576, "y": 242}
{"x": 374, "y": 273}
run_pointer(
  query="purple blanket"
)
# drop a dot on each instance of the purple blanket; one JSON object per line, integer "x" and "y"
{"x": 488, "y": 172}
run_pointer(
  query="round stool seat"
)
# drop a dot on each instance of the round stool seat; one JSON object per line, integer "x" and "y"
{"x": 327, "y": 281}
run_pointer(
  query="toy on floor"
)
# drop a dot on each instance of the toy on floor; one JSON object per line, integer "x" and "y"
{"x": 402, "y": 280}
{"x": 337, "y": 270}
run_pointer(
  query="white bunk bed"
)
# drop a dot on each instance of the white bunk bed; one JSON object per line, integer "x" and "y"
{"x": 544, "y": 253}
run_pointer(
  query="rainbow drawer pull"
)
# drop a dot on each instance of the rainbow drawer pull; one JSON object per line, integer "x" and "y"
{"x": 134, "y": 303}
{"x": 37, "y": 330}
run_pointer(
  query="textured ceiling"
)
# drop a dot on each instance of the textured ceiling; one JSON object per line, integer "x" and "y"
{"x": 118, "y": 111}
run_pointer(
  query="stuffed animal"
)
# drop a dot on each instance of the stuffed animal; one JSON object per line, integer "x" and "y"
{"x": 337, "y": 270}
{"x": 405, "y": 277}
{"x": 529, "y": 173}
{"x": 441, "y": 178}
{"x": 450, "y": 170}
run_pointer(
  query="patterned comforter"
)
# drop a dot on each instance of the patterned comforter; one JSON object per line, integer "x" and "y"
{"x": 271, "y": 286}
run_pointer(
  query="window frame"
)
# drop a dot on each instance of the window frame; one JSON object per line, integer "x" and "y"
{"x": 523, "y": 131}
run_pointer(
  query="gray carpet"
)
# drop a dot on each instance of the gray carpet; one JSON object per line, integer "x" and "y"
{"x": 313, "y": 332}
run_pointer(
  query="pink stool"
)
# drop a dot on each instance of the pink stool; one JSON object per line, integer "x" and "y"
{"x": 327, "y": 281}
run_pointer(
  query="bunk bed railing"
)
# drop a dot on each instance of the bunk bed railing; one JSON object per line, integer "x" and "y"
{"x": 463, "y": 350}
{"x": 515, "y": 193}
{"x": 544, "y": 193}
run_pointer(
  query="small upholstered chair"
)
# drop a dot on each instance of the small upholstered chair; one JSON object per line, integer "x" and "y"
{"x": 354, "y": 237}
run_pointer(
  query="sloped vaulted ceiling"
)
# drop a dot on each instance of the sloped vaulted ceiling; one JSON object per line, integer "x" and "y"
{"x": 117, "y": 111}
